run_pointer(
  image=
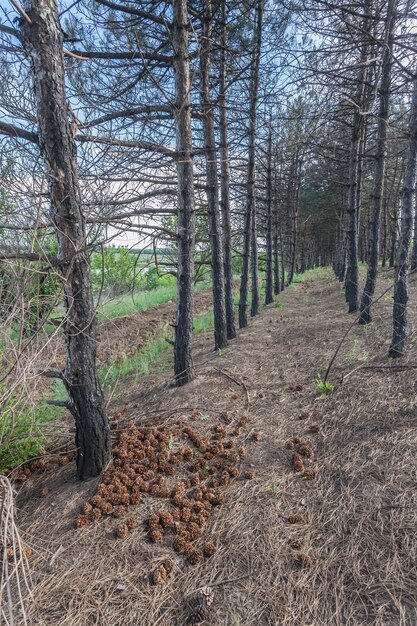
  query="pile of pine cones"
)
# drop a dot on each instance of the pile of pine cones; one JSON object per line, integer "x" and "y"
{"x": 146, "y": 462}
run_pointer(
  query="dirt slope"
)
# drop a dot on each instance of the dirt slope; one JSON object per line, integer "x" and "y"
{"x": 350, "y": 555}
{"x": 116, "y": 339}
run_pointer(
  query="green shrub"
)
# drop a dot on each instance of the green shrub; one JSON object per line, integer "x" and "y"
{"x": 155, "y": 279}
{"x": 323, "y": 385}
{"x": 116, "y": 270}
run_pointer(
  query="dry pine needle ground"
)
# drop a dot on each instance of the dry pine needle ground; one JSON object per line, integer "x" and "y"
{"x": 322, "y": 535}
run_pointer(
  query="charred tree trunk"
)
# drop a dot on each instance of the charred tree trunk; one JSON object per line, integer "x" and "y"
{"x": 352, "y": 271}
{"x": 244, "y": 278}
{"x": 250, "y": 244}
{"x": 379, "y": 174}
{"x": 345, "y": 231}
{"x": 384, "y": 233}
{"x": 392, "y": 200}
{"x": 413, "y": 262}
{"x": 269, "y": 296}
{"x": 277, "y": 285}
{"x": 281, "y": 245}
{"x": 43, "y": 45}
{"x": 225, "y": 185}
{"x": 340, "y": 260}
{"x": 394, "y": 235}
{"x": 399, "y": 334}
{"x": 357, "y": 143}
{"x": 254, "y": 309}
{"x": 183, "y": 360}
{"x": 295, "y": 205}
{"x": 220, "y": 330}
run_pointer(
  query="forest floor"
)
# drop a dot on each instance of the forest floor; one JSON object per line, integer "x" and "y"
{"x": 329, "y": 545}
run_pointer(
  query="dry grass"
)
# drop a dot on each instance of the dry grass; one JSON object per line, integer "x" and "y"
{"x": 349, "y": 557}
{"x": 15, "y": 582}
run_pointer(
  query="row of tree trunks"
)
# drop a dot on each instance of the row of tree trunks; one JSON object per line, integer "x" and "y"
{"x": 356, "y": 155}
{"x": 42, "y": 39}
{"x": 276, "y": 249}
{"x": 379, "y": 174}
{"x": 294, "y": 207}
{"x": 250, "y": 244}
{"x": 400, "y": 321}
{"x": 215, "y": 235}
{"x": 269, "y": 283}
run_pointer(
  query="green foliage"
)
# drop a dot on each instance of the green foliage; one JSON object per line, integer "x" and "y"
{"x": 203, "y": 322}
{"x": 39, "y": 289}
{"x": 237, "y": 264}
{"x": 155, "y": 279}
{"x": 116, "y": 270}
{"x": 323, "y": 385}
{"x": 23, "y": 432}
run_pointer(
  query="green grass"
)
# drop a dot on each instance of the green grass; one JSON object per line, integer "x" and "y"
{"x": 203, "y": 322}
{"x": 23, "y": 436}
{"x": 129, "y": 304}
{"x": 149, "y": 357}
{"x": 355, "y": 350}
{"x": 318, "y": 273}
{"x": 138, "y": 364}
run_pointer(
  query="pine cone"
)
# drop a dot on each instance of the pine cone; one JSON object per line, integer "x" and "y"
{"x": 160, "y": 575}
{"x": 315, "y": 428}
{"x": 298, "y": 463}
{"x": 202, "y": 603}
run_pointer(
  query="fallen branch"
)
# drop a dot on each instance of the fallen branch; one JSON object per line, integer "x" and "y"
{"x": 379, "y": 367}
{"x": 237, "y": 382}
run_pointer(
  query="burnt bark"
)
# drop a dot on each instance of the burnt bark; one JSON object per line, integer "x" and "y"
{"x": 183, "y": 360}
{"x": 400, "y": 320}
{"x": 215, "y": 235}
{"x": 379, "y": 174}
{"x": 384, "y": 241}
{"x": 294, "y": 203}
{"x": 225, "y": 184}
{"x": 340, "y": 260}
{"x": 250, "y": 243}
{"x": 42, "y": 40}
{"x": 269, "y": 296}
{"x": 355, "y": 158}
{"x": 413, "y": 262}
{"x": 276, "y": 251}
{"x": 281, "y": 245}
